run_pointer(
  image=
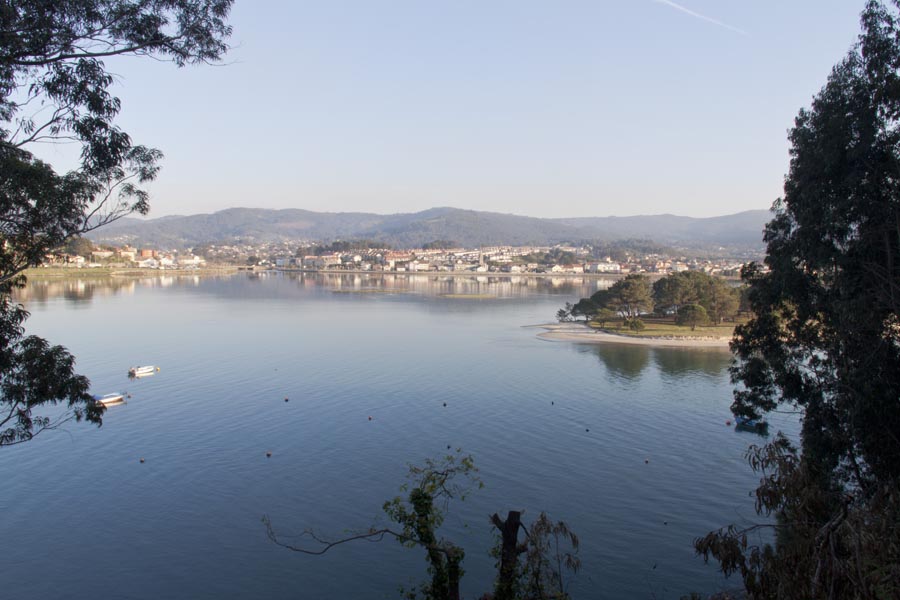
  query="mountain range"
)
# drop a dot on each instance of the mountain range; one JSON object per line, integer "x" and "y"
{"x": 468, "y": 228}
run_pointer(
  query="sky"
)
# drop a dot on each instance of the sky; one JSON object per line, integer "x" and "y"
{"x": 546, "y": 108}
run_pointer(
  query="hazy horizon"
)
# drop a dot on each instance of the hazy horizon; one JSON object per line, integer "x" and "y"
{"x": 151, "y": 216}
{"x": 559, "y": 110}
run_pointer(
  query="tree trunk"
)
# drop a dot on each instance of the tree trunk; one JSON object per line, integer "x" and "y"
{"x": 453, "y": 575}
{"x": 509, "y": 554}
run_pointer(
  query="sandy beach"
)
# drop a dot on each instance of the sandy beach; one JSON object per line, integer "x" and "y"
{"x": 580, "y": 333}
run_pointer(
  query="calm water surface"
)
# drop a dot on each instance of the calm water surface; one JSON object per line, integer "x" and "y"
{"x": 553, "y": 426}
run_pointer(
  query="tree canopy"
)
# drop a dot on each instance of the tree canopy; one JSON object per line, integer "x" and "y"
{"x": 634, "y": 296}
{"x": 717, "y": 298}
{"x": 79, "y": 246}
{"x": 54, "y": 88}
{"x": 826, "y": 335}
{"x": 631, "y": 296}
{"x": 825, "y": 340}
{"x": 692, "y": 315}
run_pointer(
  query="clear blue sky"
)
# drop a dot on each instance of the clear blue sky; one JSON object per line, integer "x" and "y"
{"x": 535, "y": 107}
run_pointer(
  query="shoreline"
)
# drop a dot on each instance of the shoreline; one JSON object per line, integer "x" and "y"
{"x": 580, "y": 334}
{"x": 63, "y": 273}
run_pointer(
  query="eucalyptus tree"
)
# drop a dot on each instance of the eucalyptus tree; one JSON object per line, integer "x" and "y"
{"x": 55, "y": 88}
{"x": 825, "y": 340}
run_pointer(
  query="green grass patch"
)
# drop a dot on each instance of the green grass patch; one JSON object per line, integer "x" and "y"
{"x": 666, "y": 327}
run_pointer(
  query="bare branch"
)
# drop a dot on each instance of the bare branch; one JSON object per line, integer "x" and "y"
{"x": 373, "y": 535}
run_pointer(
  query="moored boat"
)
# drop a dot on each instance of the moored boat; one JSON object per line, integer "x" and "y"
{"x": 748, "y": 424}
{"x": 142, "y": 371}
{"x": 109, "y": 399}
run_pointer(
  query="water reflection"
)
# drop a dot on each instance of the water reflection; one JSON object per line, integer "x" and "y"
{"x": 629, "y": 362}
{"x": 232, "y": 347}
{"x": 621, "y": 360}
{"x": 451, "y": 286}
{"x": 675, "y": 362}
{"x": 455, "y": 288}
{"x": 78, "y": 292}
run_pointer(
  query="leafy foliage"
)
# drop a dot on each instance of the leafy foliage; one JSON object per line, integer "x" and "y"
{"x": 54, "y": 87}
{"x": 828, "y": 543}
{"x": 440, "y": 245}
{"x": 825, "y": 339}
{"x": 717, "y": 298}
{"x": 421, "y": 513}
{"x": 692, "y": 315}
{"x": 36, "y": 375}
{"x": 604, "y": 316}
{"x": 549, "y": 549}
{"x": 636, "y": 324}
{"x": 630, "y": 297}
{"x": 584, "y": 308}
{"x": 79, "y": 246}
{"x": 347, "y": 246}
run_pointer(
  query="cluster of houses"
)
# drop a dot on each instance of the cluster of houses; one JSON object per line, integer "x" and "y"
{"x": 127, "y": 257}
{"x": 496, "y": 259}
{"x": 507, "y": 259}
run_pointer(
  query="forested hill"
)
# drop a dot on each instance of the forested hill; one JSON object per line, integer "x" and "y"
{"x": 464, "y": 227}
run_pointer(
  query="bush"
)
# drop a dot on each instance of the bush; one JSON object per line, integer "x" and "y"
{"x": 636, "y": 325}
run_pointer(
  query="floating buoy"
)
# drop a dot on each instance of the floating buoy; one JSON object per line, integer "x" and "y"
{"x": 142, "y": 460}
{"x": 286, "y": 399}
{"x": 448, "y": 446}
{"x": 268, "y": 454}
{"x": 370, "y": 417}
{"x": 552, "y": 402}
{"x": 728, "y": 422}
{"x": 646, "y": 461}
{"x": 587, "y": 429}
{"x": 445, "y": 404}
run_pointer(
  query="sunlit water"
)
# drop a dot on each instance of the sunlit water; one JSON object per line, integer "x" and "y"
{"x": 627, "y": 444}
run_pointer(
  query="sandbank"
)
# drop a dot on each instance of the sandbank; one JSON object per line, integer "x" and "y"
{"x": 580, "y": 333}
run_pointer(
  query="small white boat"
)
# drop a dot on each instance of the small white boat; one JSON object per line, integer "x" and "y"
{"x": 142, "y": 371}
{"x": 109, "y": 399}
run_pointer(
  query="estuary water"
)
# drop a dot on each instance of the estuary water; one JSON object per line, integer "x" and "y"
{"x": 627, "y": 444}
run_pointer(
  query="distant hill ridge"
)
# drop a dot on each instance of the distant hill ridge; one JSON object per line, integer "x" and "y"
{"x": 467, "y": 228}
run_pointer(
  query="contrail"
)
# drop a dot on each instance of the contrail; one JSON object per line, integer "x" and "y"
{"x": 702, "y": 17}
